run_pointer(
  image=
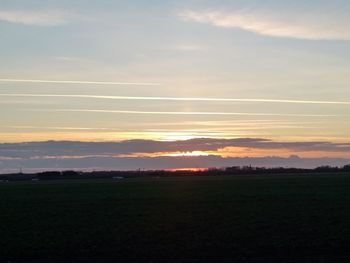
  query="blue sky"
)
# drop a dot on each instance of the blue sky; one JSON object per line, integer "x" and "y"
{"x": 284, "y": 64}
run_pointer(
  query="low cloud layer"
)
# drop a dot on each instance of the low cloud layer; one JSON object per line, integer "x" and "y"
{"x": 305, "y": 24}
{"x": 111, "y": 155}
{"x": 76, "y": 148}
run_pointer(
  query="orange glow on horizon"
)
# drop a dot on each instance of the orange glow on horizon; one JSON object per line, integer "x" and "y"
{"x": 243, "y": 152}
{"x": 192, "y": 169}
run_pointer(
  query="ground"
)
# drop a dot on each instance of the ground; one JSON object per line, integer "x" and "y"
{"x": 282, "y": 218}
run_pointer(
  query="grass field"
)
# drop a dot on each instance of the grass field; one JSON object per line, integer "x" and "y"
{"x": 222, "y": 219}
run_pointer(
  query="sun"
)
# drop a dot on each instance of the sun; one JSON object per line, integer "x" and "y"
{"x": 190, "y": 169}
{"x": 188, "y": 154}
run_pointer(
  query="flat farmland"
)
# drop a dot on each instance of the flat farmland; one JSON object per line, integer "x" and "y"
{"x": 281, "y": 218}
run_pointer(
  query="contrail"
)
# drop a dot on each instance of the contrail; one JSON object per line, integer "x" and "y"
{"x": 185, "y": 113}
{"x": 53, "y": 128}
{"x": 80, "y": 82}
{"x": 177, "y": 98}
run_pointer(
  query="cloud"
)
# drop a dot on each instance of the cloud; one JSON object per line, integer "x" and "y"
{"x": 187, "y": 47}
{"x": 46, "y": 18}
{"x": 79, "y": 82}
{"x": 105, "y": 97}
{"x": 77, "y": 148}
{"x": 305, "y": 24}
{"x": 69, "y": 59}
{"x": 193, "y": 113}
{"x": 119, "y": 155}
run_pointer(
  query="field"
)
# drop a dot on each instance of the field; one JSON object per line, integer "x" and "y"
{"x": 206, "y": 219}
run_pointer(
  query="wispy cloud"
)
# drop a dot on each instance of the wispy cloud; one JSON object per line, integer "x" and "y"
{"x": 37, "y": 18}
{"x": 305, "y": 24}
{"x": 187, "y": 47}
{"x": 205, "y": 113}
{"x": 79, "y": 82}
{"x": 69, "y": 59}
{"x": 54, "y": 128}
{"x": 110, "y": 97}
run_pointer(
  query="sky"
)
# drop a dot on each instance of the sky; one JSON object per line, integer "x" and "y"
{"x": 149, "y": 75}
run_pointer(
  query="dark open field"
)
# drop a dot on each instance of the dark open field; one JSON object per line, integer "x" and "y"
{"x": 223, "y": 219}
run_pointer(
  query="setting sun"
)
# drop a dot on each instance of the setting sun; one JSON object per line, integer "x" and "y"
{"x": 189, "y": 154}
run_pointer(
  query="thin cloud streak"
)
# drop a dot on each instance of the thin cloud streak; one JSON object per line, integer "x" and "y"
{"x": 221, "y": 130}
{"x": 80, "y": 82}
{"x": 175, "y": 98}
{"x": 54, "y": 128}
{"x": 183, "y": 113}
{"x": 46, "y": 18}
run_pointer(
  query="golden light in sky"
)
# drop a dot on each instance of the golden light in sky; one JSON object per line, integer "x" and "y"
{"x": 195, "y": 71}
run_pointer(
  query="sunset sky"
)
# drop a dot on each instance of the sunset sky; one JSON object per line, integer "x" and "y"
{"x": 170, "y": 84}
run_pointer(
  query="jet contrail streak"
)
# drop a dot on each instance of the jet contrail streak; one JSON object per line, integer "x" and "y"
{"x": 185, "y": 113}
{"x": 177, "y": 98}
{"x": 53, "y": 128}
{"x": 80, "y": 82}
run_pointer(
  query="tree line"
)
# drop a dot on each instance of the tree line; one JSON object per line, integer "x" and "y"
{"x": 117, "y": 175}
